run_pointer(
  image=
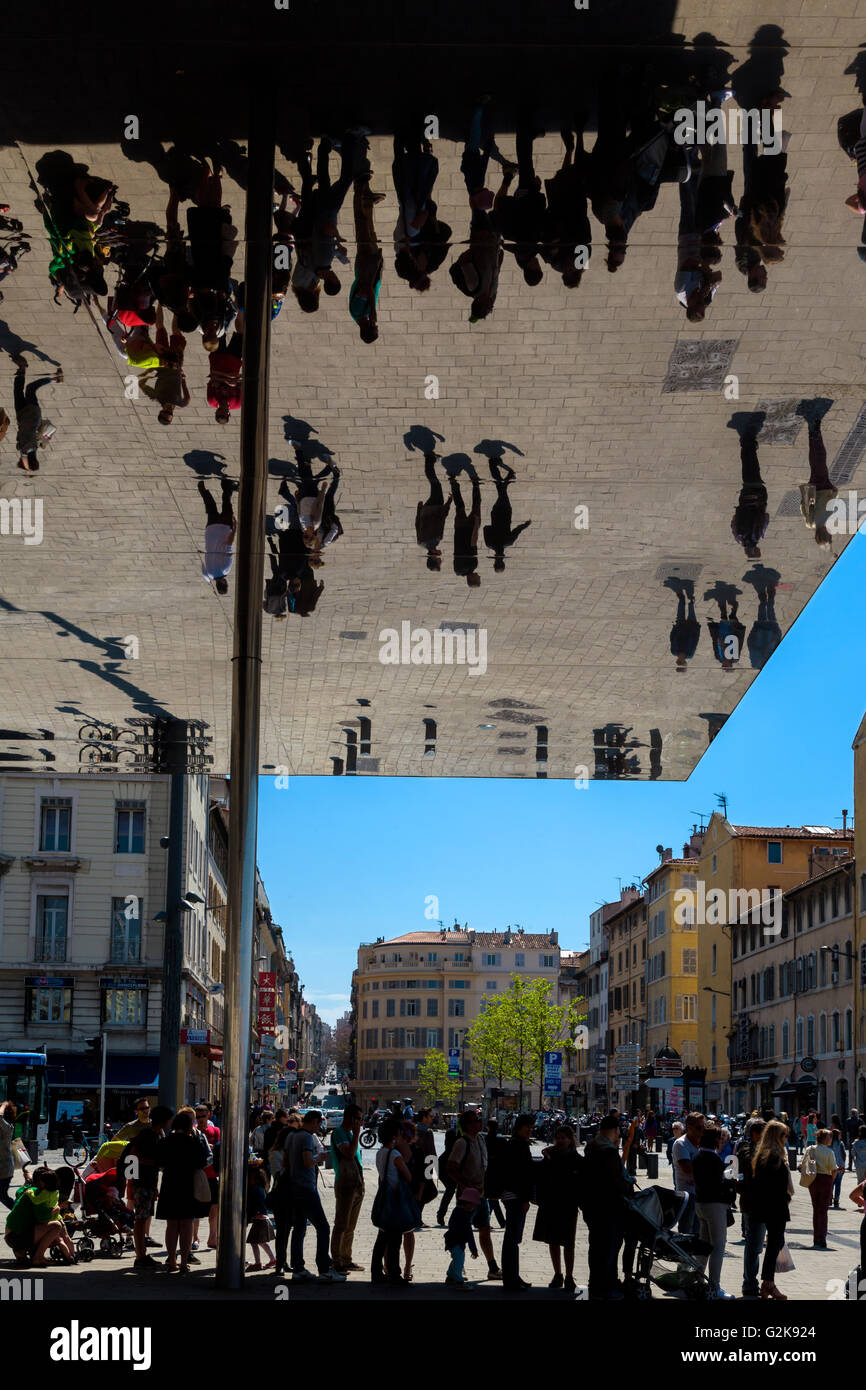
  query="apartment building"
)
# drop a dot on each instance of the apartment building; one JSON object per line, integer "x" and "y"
{"x": 82, "y": 903}
{"x": 735, "y": 860}
{"x": 673, "y": 1001}
{"x": 626, "y": 933}
{"x": 596, "y": 1008}
{"x": 793, "y": 1042}
{"x": 422, "y": 991}
{"x": 576, "y": 1061}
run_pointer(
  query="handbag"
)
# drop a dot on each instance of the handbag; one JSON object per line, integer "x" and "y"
{"x": 808, "y": 1168}
{"x": 394, "y": 1207}
{"x": 200, "y": 1186}
{"x": 784, "y": 1260}
{"x": 4, "y": 423}
{"x": 20, "y": 1154}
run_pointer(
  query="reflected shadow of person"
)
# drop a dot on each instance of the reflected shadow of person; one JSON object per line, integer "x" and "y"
{"x": 686, "y": 631}
{"x": 498, "y": 535}
{"x": 728, "y": 634}
{"x": 430, "y": 515}
{"x": 765, "y": 633}
{"x": 466, "y": 528}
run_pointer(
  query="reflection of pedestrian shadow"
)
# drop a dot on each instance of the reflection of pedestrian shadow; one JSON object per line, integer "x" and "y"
{"x": 455, "y": 464}
{"x": 763, "y": 580}
{"x": 301, "y": 433}
{"x": 725, "y": 595}
{"x": 204, "y": 463}
{"x": 495, "y": 448}
{"x": 422, "y": 439}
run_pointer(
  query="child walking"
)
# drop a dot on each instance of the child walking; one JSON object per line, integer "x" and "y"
{"x": 261, "y": 1227}
{"x": 459, "y": 1235}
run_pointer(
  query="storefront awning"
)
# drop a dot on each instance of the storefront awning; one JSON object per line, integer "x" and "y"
{"x": 760, "y": 1078}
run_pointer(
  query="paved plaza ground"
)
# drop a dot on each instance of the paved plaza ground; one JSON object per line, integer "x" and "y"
{"x": 818, "y": 1275}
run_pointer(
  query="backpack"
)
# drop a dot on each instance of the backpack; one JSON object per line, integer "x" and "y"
{"x": 451, "y": 1137}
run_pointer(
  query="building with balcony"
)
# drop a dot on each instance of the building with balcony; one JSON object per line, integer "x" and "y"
{"x": 673, "y": 1001}
{"x": 422, "y": 991}
{"x": 736, "y": 860}
{"x": 626, "y": 933}
{"x": 793, "y": 1043}
{"x": 577, "y": 1061}
{"x": 82, "y": 879}
{"x": 596, "y": 1007}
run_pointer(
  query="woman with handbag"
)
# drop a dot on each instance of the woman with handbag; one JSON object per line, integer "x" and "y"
{"x": 395, "y": 1210}
{"x": 185, "y": 1192}
{"x": 817, "y": 1172}
{"x": 770, "y": 1198}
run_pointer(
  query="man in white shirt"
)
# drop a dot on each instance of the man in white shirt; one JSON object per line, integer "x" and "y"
{"x": 682, "y": 1155}
{"x": 219, "y": 533}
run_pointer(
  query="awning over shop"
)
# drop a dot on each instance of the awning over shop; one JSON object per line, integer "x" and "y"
{"x": 790, "y": 1088}
{"x": 760, "y": 1078}
{"x": 74, "y": 1072}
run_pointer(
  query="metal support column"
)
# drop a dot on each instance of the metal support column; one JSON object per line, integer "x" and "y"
{"x": 246, "y": 688}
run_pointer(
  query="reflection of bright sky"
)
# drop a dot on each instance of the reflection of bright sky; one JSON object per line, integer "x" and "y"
{"x": 540, "y": 854}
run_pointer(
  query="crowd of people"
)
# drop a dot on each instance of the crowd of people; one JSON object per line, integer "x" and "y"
{"x": 166, "y": 1165}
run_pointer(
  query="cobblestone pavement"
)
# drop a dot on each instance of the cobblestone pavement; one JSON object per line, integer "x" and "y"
{"x": 818, "y": 1275}
{"x": 578, "y": 624}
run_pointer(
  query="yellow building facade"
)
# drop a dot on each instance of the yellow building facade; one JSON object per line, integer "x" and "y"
{"x": 672, "y": 973}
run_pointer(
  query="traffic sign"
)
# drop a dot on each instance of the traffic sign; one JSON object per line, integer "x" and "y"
{"x": 454, "y": 1061}
{"x": 552, "y": 1073}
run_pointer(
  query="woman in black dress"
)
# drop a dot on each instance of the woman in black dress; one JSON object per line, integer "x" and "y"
{"x": 180, "y": 1154}
{"x": 556, "y": 1222}
{"x": 771, "y": 1197}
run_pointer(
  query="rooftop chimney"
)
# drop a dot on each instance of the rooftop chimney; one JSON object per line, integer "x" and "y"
{"x": 844, "y": 821}
{"x": 667, "y": 856}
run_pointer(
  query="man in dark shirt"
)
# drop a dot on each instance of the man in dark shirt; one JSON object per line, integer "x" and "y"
{"x": 518, "y": 1188}
{"x": 139, "y": 1165}
{"x": 607, "y": 1181}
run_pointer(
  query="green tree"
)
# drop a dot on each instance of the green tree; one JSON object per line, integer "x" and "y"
{"x": 536, "y": 1025}
{"x": 434, "y": 1083}
{"x": 489, "y": 1042}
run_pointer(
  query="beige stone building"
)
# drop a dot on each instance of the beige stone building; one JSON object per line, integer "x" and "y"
{"x": 82, "y": 887}
{"x": 422, "y": 991}
{"x": 793, "y": 1000}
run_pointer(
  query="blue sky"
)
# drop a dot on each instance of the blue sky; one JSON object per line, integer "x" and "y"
{"x": 347, "y": 859}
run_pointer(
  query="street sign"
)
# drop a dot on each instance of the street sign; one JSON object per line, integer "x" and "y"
{"x": 552, "y": 1073}
{"x": 454, "y": 1061}
{"x": 199, "y": 1037}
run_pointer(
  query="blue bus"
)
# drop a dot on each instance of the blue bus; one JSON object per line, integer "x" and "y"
{"x": 24, "y": 1081}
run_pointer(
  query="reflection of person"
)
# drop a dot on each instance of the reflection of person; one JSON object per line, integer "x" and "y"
{"x": 169, "y": 387}
{"x": 219, "y": 534}
{"x": 818, "y": 493}
{"x": 758, "y": 227}
{"x": 225, "y": 367}
{"x": 28, "y": 416}
{"x": 430, "y": 515}
{"x": 728, "y": 634}
{"x": 476, "y": 270}
{"x": 212, "y": 240}
{"x": 466, "y": 527}
{"x": 751, "y": 518}
{"x": 686, "y": 631}
{"x": 567, "y": 225}
{"x": 498, "y": 535}
{"x": 520, "y": 216}
{"x": 420, "y": 239}
{"x": 765, "y": 634}
{"x": 364, "y": 293}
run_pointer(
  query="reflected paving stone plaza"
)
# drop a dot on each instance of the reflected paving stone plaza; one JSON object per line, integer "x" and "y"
{"x": 621, "y": 419}
{"x": 563, "y": 417}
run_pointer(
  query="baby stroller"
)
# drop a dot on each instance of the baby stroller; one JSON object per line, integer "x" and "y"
{"x": 651, "y": 1216}
{"x": 106, "y": 1220}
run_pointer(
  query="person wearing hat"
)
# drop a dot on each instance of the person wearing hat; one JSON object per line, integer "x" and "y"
{"x": 459, "y": 1234}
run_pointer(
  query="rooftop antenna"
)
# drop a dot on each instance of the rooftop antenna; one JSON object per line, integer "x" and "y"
{"x": 701, "y": 815}
{"x": 723, "y": 802}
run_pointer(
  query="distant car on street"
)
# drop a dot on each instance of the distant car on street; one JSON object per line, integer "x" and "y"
{"x": 332, "y": 1109}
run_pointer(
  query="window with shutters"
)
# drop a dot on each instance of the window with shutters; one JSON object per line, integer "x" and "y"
{"x": 55, "y": 825}
{"x": 690, "y": 961}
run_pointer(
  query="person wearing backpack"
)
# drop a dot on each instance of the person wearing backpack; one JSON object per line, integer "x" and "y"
{"x": 467, "y": 1167}
{"x": 495, "y": 1145}
{"x": 138, "y": 1166}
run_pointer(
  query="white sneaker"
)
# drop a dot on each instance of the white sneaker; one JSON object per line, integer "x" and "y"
{"x": 333, "y": 1276}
